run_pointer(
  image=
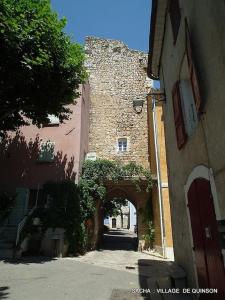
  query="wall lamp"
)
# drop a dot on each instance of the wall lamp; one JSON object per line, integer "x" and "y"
{"x": 138, "y": 105}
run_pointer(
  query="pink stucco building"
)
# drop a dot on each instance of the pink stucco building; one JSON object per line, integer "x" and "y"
{"x": 55, "y": 152}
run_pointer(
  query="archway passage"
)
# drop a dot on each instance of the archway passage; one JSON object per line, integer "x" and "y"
{"x": 124, "y": 189}
{"x": 120, "y": 223}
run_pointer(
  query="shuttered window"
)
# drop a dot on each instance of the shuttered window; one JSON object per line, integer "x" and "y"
{"x": 53, "y": 121}
{"x": 46, "y": 151}
{"x": 193, "y": 74}
{"x": 178, "y": 116}
{"x": 175, "y": 17}
{"x": 122, "y": 145}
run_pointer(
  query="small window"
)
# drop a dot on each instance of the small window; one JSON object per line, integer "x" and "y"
{"x": 52, "y": 121}
{"x": 46, "y": 152}
{"x": 122, "y": 145}
{"x": 175, "y": 17}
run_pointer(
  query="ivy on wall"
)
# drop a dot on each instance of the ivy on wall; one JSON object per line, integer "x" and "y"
{"x": 95, "y": 174}
{"x": 69, "y": 205}
{"x": 62, "y": 210}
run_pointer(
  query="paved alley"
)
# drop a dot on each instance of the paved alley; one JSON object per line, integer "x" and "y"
{"x": 107, "y": 274}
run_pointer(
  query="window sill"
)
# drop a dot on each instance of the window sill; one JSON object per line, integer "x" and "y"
{"x": 122, "y": 152}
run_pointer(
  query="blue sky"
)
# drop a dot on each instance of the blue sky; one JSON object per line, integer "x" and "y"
{"x": 125, "y": 20}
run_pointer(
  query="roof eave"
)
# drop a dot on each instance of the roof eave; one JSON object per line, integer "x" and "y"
{"x": 157, "y": 30}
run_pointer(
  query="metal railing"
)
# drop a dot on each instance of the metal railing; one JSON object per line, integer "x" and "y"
{"x": 22, "y": 223}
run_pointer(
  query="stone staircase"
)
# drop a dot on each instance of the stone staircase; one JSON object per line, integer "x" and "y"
{"x": 7, "y": 241}
{"x": 8, "y": 230}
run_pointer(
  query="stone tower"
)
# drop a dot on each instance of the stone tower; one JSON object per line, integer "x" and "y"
{"x": 118, "y": 110}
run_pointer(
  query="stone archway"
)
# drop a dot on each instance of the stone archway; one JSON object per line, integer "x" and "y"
{"x": 123, "y": 189}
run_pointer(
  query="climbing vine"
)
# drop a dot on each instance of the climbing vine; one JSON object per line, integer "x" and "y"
{"x": 69, "y": 206}
{"x": 95, "y": 174}
{"x": 62, "y": 210}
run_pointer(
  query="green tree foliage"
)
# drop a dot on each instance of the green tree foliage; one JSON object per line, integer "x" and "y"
{"x": 113, "y": 208}
{"x": 64, "y": 211}
{"x": 96, "y": 173}
{"x": 40, "y": 68}
{"x": 149, "y": 237}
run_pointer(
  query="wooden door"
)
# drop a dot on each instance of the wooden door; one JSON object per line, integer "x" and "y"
{"x": 113, "y": 222}
{"x": 207, "y": 249}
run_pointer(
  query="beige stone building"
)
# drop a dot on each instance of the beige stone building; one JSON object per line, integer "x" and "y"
{"x": 119, "y": 127}
{"x": 120, "y": 221}
{"x": 118, "y": 89}
{"x": 118, "y": 112}
{"x": 187, "y": 54}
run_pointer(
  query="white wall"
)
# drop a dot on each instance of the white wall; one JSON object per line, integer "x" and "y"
{"x": 133, "y": 217}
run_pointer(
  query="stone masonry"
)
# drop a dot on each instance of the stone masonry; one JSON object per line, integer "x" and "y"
{"x": 117, "y": 78}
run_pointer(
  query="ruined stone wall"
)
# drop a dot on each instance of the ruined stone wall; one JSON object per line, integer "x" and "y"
{"x": 117, "y": 77}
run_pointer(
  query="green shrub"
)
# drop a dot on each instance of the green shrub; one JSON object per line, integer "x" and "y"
{"x": 62, "y": 211}
{"x": 96, "y": 173}
{"x": 149, "y": 237}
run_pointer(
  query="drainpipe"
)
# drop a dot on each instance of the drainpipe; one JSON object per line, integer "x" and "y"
{"x": 162, "y": 224}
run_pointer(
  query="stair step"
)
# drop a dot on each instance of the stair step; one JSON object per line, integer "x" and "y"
{"x": 6, "y": 245}
{"x": 9, "y": 233}
{"x": 10, "y": 229}
{"x": 178, "y": 276}
{"x": 152, "y": 285}
{"x": 165, "y": 283}
{"x": 6, "y": 253}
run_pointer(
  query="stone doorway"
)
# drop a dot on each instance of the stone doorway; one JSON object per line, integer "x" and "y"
{"x": 120, "y": 223}
{"x": 125, "y": 189}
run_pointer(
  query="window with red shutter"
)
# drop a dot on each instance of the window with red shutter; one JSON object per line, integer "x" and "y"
{"x": 193, "y": 74}
{"x": 175, "y": 17}
{"x": 178, "y": 116}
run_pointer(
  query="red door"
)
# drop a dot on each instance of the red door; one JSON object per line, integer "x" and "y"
{"x": 207, "y": 249}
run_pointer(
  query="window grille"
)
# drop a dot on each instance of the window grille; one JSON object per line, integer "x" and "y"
{"x": 122, "y": 145}
{"x": 46, "y": 151}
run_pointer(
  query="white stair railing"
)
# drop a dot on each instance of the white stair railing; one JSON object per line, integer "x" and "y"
{"x": 22, "y": 223}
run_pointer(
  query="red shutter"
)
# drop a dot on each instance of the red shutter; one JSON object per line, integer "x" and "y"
{"x": 178, "y": 117}
{"x": 193, "y": 74}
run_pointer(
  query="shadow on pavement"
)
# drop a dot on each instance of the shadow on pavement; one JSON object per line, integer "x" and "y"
{"x": 149, "y": 271}
{"x": 26, "y": 260}
{"x": 153, "y": 268}
{"x": 4, "y": 292}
